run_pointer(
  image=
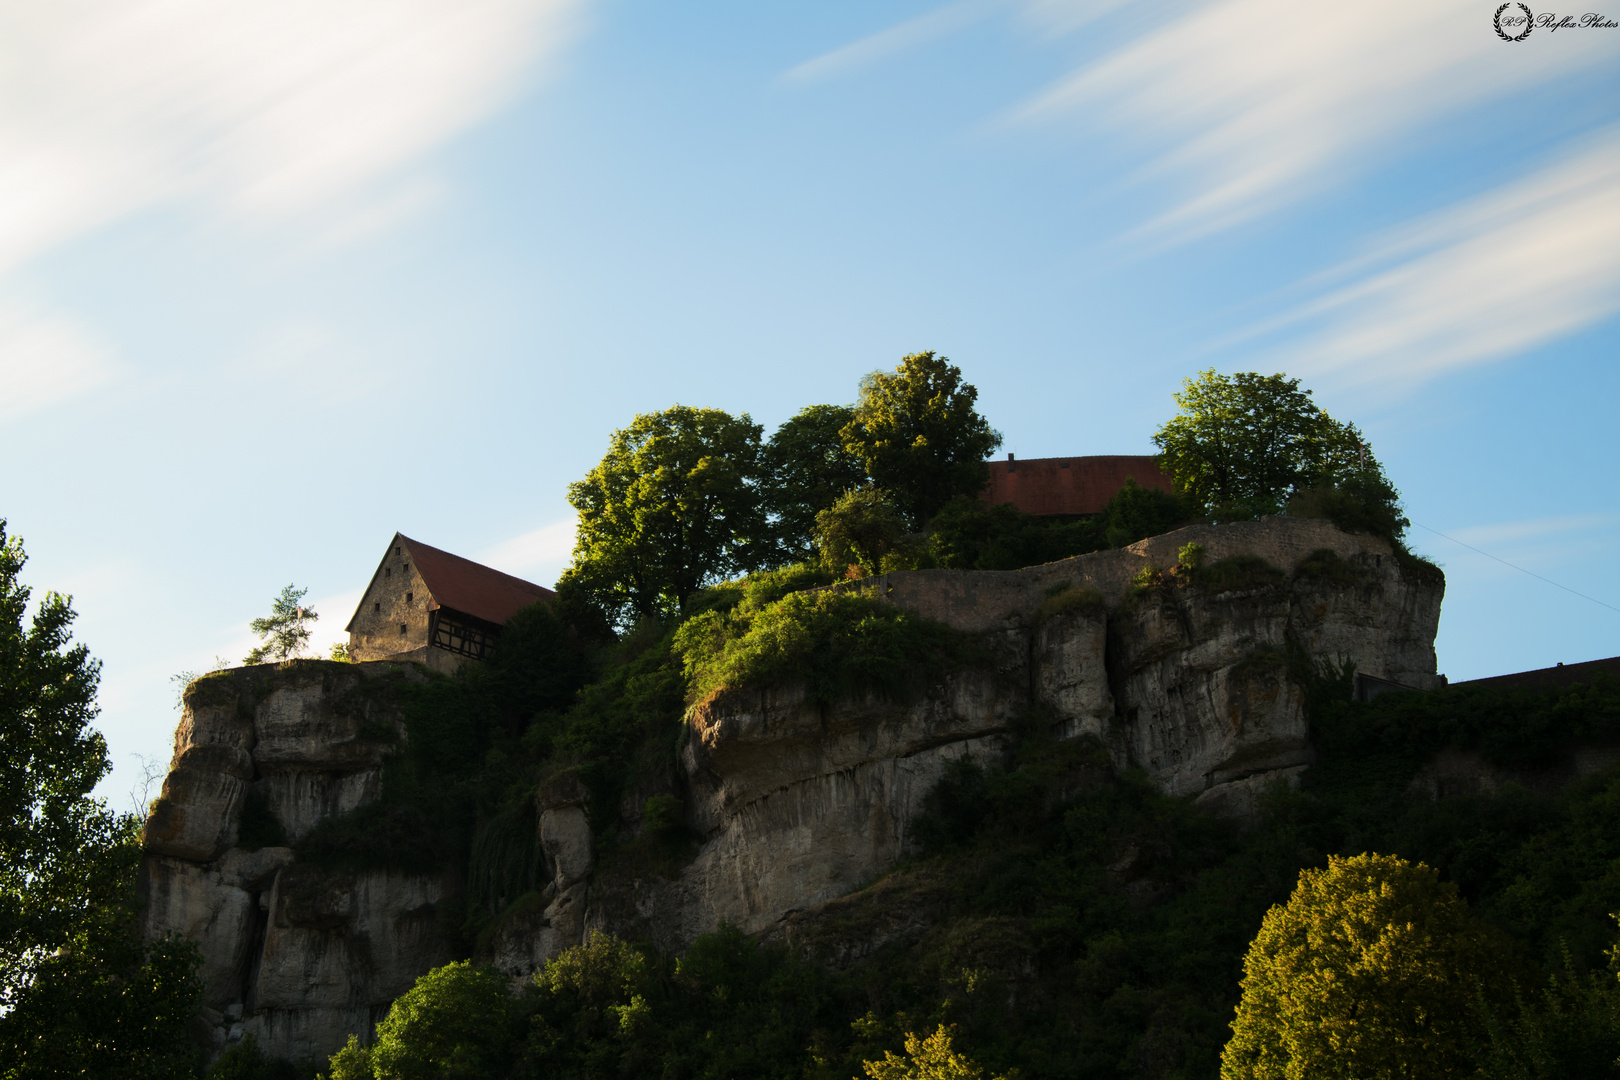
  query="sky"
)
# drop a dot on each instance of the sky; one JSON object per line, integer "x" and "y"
{"x": 279, "y": 280}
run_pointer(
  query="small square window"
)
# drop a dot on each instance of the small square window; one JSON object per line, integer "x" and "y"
{"x": 396, "y": 551}
{"x": 409, "y": 597}
{"x": 377, "y": 607}
{"x": 402, "y": 629}
{"x": 388, "y": 573}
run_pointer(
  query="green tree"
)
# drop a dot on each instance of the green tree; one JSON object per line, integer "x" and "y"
{"x": 285, "y": 633}
{"x": 456, "y": 1022}
{"x": 930, "y": 1058}
{"x": 673, "y": 505}
{"x": 1241, "y": 445}
{"x": 1371, "y": 969}
{"x": 1571, "y": 1028}
{"x": 805, "y": 468}
{"x": 79, "y": 994}
{"x": 919, "y": 436}
{"x": 1136, "y": 513}
{"x": 592, "y": 1014}
{"x": 860, "y": 530}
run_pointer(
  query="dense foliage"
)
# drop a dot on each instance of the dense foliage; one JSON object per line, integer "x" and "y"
{"x": 1243, "y": 445}
{"x": 835, "y": 643}
{"x": 1372, "y": 968}
{"x": 917, "y": 432}
{"x": 672, "y": 506}
{"x": 1070, "y": 923}
{"x": 804, "y": 468}
{"x": 79, "y": 994}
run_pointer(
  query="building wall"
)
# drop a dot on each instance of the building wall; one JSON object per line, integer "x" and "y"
{"x": 396, "y": 598}
{"x": 1077, "y": 485}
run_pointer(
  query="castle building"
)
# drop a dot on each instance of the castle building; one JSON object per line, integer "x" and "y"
{"x": 1073, "y": 485}
{"x": 433, "y": 607}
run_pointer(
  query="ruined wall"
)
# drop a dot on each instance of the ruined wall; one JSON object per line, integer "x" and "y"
{"x": 795, "y": 803}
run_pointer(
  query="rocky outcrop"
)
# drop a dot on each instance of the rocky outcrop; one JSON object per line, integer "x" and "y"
{"x": 1185, "y": 675}
{"x": 296, "y": 955}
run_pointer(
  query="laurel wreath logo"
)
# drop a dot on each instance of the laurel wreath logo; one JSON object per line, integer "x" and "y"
{"x": 1529, "y": 23}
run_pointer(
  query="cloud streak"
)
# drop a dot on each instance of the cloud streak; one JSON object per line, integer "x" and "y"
{"x": 262, "y": 111}
{"x": 547, "y": 549}
{"x": 45, "y": 359}
{"x": 1250, "y": 104}
{"x": 896, "y": 39}
{"x": 1498, "y": 275}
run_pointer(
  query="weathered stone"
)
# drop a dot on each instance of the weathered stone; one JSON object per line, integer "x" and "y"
{"x": 792, "y": 803}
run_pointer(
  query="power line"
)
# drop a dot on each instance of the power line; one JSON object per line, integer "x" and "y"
{"x": 1520, "y": 569}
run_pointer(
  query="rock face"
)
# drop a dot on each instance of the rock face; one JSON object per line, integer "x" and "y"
{"x": 298, "y": 956}
{"x": 794, "y": 803}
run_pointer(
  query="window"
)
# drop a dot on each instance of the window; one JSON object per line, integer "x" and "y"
{"x": 405, "y": 569}
{"x": 388, "y": 573}
{"x": 396, "y": 551}
{"x": 401, "y": 629}
{"x": 408, "y": 597}
{"x": 377, "y": 607}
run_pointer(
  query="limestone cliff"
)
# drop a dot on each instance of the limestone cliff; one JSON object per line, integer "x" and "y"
{"x": 794, "y": 803}
{"x": 298, "y": 956}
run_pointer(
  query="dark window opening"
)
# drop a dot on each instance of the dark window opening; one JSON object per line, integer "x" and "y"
{"x": 402, "y": 628}
{"x": 388, "y": 573}
{"x": 377, "y": 606}
{"x": 396, "y": 551}
{"x": 408, "y": 597}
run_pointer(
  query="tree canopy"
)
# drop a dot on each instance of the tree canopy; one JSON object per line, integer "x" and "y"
{"x": 805, "y": 467}
{"x": 673, "y": 505}
{"x": 79, "y": 993}
{"x": 1241, "y": 445}
{"x": 919, "y": 436}
{"x": 285, "y": 632}
{"x": 1371, "y": 969}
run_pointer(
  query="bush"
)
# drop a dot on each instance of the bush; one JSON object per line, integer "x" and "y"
{"x": 835, "y": 642}
{"x": 1370, "y": 970}
{"x": 457, "y": 1021}
{"x": 1136, "y": 513}
{"x": 969, "y": 535}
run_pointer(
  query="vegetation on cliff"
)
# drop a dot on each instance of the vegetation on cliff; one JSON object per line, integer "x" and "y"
{"x": 1072, "y": 923}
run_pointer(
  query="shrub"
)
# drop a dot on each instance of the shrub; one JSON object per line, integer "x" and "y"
{"x": 931, "y": 1058}
{"x": 835, "y": 642}
{"x": 1136, "y": 513}
{"x": 1068, "y": 598}
{"x": 1369, "y": 970}
{"x": 455, "y": 1022}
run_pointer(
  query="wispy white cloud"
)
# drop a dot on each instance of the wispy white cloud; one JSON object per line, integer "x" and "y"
{"x": 896, "y": 39}
{"x": 260, "y": 110}
{"x": 1250, "y": 104}
{"x": 45, "y": 358}
{"x": 546, "y": 549}
{"x": 1534, "y": 529}
{"x": 1515, "y": 268}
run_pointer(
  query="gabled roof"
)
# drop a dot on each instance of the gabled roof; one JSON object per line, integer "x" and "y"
{"x": 1076, "y": 485}
{"x": 465, "y": 586}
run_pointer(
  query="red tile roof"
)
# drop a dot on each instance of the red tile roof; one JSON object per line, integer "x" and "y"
{"x": 1076, "y": 485}
{"x": 1562, "y": 675}
{"x": 472, "y": 588}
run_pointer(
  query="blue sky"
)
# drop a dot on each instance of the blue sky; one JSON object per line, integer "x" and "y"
{"x": 278, "y": 281}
